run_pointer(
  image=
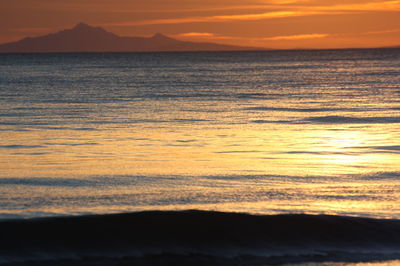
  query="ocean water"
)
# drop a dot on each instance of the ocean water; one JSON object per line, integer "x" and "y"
{"x": 272, "y": 132}
{"x": 262, "y": 133}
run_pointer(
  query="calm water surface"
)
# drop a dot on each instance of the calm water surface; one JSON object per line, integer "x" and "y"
{"x": 257, "y": 132}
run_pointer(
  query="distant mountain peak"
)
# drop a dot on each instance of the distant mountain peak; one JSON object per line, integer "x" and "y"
{"x": 160, "y": 36}
{"x": 86, "y": 38}
{"x": 82, "y": 26}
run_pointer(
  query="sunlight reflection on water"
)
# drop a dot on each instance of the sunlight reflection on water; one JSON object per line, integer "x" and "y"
{"x": 299, "y": 123}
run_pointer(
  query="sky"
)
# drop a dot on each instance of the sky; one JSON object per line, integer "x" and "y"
{"x": 277, "y": 24}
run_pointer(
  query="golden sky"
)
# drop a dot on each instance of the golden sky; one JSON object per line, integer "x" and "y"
{"x": 278, "y": 24}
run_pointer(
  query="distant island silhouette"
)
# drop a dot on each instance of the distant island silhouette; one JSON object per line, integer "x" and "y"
{"x": 86, "y": 38}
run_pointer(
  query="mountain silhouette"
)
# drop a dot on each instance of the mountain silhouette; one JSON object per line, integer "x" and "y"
{"x": 85, "y": 38}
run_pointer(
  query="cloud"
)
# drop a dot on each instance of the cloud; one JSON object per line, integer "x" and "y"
{"x": 196, "y": 34}
{"x": 282, "y": 37}
{"x": 196, "y": 9}
{"x": 222, "y": 18}
{"x": 267, "y": 15}
{"x": 210, "y": 36}
{"x": 286, "y": 2}
{"x": 297, "y": 37}
{"x": 381, "y": 32}
{"x": 369, "y": 6}
{"x": 213, "y": 36}
{"x": 287, "y": 9}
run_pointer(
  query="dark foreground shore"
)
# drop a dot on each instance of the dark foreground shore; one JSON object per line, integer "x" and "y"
{"x": 197, "y": 238}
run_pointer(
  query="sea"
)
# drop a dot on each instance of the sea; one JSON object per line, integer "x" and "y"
{"x": 238, "y": 158}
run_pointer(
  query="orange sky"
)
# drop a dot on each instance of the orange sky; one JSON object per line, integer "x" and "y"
{"x": 266, "y": 23}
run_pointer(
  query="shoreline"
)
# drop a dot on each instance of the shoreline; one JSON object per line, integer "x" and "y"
{"x": 196, "y": 237}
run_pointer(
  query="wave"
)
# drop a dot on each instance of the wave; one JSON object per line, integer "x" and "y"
{"x": 49, "y": 182}
{"x": 353, "y": 120}
{"x": 335, "y": 119}
{"x": 307, "y": 110}
{"x": 380, "y": 176}
{"x": 20, "y": 146}
{"x": 197, "y": 237}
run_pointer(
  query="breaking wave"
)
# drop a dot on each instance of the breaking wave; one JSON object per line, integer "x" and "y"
{"x": 204, "y": 237}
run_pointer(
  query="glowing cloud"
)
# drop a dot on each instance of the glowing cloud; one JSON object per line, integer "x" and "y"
{"x": 369, "y": 6}
{"x": 381, "y": 32}
{"x": 296, "y": 37}
{"x": 197, "y": 34}
{"x": 291, "y": 10}
{"x": 222, "y": 18}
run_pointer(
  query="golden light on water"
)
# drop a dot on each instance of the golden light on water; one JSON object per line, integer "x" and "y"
{"x": 311, "y": 170}
{"x": 342, "y": 149}
{"x": 201, "y": 151}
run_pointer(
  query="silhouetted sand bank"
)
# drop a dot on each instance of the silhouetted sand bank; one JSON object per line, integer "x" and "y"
{"x": 196, "y": 238}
